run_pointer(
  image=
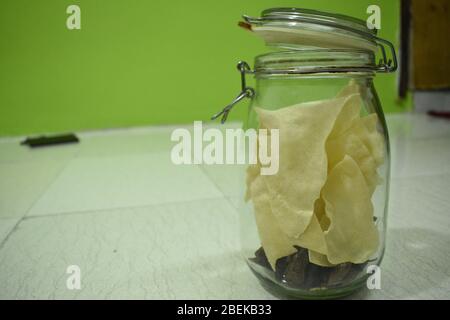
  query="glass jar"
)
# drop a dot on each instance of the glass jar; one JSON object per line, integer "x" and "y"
{"x": 316, "y": 228}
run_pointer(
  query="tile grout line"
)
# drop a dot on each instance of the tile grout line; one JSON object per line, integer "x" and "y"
{"x": 99, "y": 211}
{"x": 63, "y": 167}
{"x": 13, "y": 229}
{"x": 217, "y": 187}
{"x": 421, "y": 175}
{"x": 25, "y": 215}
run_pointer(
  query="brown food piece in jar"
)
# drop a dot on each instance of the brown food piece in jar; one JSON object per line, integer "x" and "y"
{"x": 296, "y": 271}
{"x": 261, "y": 258}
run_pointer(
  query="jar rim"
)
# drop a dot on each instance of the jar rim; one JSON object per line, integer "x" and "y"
{"x": 315, "y": 61}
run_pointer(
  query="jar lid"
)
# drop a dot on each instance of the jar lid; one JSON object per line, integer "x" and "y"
{"x": 300, "y": 29}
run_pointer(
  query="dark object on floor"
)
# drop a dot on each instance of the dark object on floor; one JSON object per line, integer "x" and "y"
{"x": 439, "y": 114}
{"x": 44, "y": 141}
{"x": 296, "y": 271}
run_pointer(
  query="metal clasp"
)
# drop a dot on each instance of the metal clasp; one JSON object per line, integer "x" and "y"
{"x": 246, "y": 92}
{"x": 386, "y": 65}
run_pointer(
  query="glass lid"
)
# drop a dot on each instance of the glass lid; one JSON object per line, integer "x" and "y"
{"x": 295, "y": 28}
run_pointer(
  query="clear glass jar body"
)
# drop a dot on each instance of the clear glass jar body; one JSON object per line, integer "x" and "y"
{"x": 295, "y": 275}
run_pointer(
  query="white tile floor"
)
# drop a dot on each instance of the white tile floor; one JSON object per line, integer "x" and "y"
{"x": 120, "y": 181}
{"x": 140, "y": 227}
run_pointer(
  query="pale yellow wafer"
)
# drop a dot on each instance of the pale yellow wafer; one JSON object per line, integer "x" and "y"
{"x": 303, "y": 131}
{"x": 352, "y": 235}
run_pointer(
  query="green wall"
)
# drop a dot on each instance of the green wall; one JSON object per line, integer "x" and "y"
{"x": 137, "y": 62}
